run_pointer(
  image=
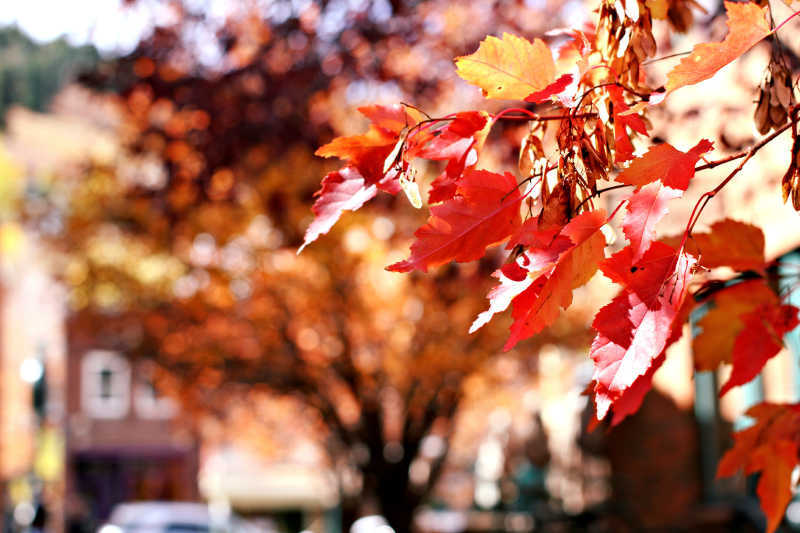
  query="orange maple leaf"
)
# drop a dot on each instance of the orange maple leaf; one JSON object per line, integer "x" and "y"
{"x": 769, "y": 446}
{"x": 729, "y": 243}
{"x": 747, "y": 25}
{"x": 724, "y": 321}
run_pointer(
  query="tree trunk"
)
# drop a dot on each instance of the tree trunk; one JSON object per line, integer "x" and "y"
{"x": 395, "y": 497}
{"x": 398, "y": 510}
{"x": 351, "y": 511}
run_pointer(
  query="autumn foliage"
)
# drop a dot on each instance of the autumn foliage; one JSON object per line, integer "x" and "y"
{"x": 587, "y": 97}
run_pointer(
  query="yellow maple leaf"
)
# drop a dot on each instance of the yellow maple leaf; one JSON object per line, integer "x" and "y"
{"x": 509, "y": 68}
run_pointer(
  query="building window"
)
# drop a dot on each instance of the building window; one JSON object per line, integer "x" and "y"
{"x": 147, "y": 401}
{"x": 105, "y": 384}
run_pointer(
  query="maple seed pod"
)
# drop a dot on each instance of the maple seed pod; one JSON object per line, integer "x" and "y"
{"x": 761, "y": 115}
{"x": 411, "y": 188}
{"x": 783, "y": 88}
{"x": 790, "y": 185}
{"x": 680, "y": 16}
{"x": 530, "y": 154}
{"x": 775, "y": 98}
{"x": 777, "y": 115}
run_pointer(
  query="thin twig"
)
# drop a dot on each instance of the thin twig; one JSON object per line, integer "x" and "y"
{"x": 744, "y": 153}
{"x": 790, "y": 17}
{"x": 745, "y": 156}
{"x": 657, "y": 59}
{"x": 598, "y": 192}
{"x": 614, "y": 212}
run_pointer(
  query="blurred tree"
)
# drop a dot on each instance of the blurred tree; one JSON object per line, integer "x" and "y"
{"x": 190, "y": 237}
{"x": 369, "y": 351}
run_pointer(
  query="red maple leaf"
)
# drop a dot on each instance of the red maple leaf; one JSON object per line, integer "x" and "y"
{"x": 646, "y": 207}
{"x": 645, "y": 276}
{"x": 514, "y": 280}
{"x": 760, "y": 339}
{"x": 666, "y": 164}
{"x": 566, "y": 263}
{"x": 459, "y": 142}
{"x": 552, "y": 90}
{"x": 639, "y": 323}
{"x": 444, "y": 186}
{"x": 451, "y": 140}
{"x": 484, "y": 211}
{"x": 342, "y": 190}
{"x": 630, "y": 400}
{"x": 660, "y": 175}
{"x": 368, "y": 152}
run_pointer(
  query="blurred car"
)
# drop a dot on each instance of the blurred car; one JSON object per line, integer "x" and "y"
{"x": 173, "y": 517}
{"x": 371, "y": 524}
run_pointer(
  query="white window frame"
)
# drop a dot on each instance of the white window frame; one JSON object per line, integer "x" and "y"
{"x": 145, "y": 403}
{"x": 92, "y": 366}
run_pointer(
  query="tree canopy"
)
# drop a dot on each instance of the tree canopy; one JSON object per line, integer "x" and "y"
{"x": 193, "y": 232}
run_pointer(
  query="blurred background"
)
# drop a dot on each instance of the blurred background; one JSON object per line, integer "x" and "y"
{"x": 161, "y": 341}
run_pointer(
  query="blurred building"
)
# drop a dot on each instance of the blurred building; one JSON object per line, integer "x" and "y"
{"x": 81, "y": 426}
{"x": 122, "y": 440}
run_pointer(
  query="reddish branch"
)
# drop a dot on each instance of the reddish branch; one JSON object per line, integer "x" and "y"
{"x": 745, "y": 155}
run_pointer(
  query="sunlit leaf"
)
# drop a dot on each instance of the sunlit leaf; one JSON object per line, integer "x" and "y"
{"x": 484, "y": 211}
{"x": 342, "y": 190}
{"x": 510, "y": 67}
{"x": 748, "y": 23}
{"x": 638, "y": 325}
{"x": 768, "y": 447}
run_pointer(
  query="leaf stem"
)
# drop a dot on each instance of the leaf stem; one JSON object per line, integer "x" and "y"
{"x": 787, "y": 19}
{"x": 614, "y": 212}
{"x": 745, "y": 156}
{"x": 670, "y": 56}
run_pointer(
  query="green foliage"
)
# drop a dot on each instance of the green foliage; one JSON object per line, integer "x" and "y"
{"x": 32, "y": 73}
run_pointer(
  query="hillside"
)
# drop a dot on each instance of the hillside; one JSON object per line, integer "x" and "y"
{"x": 32, "y": 73}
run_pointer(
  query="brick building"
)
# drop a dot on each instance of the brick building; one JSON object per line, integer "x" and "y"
{"x": 122, "y": 439}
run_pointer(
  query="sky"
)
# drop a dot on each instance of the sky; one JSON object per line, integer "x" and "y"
{"x": 104, "y": 23}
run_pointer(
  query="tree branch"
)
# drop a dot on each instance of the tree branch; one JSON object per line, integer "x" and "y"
{"x": 747, "y": 153}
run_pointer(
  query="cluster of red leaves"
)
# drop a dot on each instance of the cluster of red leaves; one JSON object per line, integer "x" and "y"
{"x": 562, "y": 242}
